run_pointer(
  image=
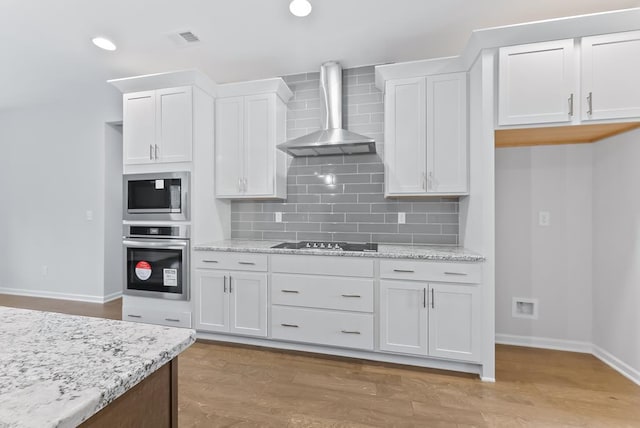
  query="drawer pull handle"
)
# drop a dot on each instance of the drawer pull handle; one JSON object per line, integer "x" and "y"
{"x": 289, "y": 325}
{"x": 351, "y": 295}
{"x": 350, "y": 332}
{"x": 209, "y": 261}
{"x": 403, "y": 270}
{"x": 172, "y": 319}
{"x": 246, "y": 263}
{"x": 290, "y": 291}
{"x": 134, "y": 316}
{"x": 456, "y": 273}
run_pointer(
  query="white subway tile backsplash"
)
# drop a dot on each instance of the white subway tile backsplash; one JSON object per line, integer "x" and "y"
{"x": 354, "y": 208}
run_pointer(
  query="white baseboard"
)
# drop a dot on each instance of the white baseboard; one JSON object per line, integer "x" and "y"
{"x": 618, "y": 365}
{"x": 572, "y": 346}
{"x": 60, "y": 296}
{"x": 545, "y": 343}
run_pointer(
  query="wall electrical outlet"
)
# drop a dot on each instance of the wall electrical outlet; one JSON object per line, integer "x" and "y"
{"x": 402, "y": 218}
{"x": 544, "y": 218}
{"x": 278, "y": 217}
{"x": 89, "y": 215}
{"x": 45, "y": 270}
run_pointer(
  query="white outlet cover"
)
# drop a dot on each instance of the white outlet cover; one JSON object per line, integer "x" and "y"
{"x": 278, "y": 217}
{"x": 544, "y": 218}
{"x": 402, "y": 218}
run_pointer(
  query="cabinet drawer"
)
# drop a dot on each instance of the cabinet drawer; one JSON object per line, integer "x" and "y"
{"x": 347, "y": 294}
{"x": 173, "y": 319}
{"x": 431, "y": 271}
{"x": 230, "y": 261}
{"x": 322, "y": 265}
{"x": 343, "y": 329}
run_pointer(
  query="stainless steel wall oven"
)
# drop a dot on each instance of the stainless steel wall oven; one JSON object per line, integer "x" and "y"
{"x": 157, "y": 261}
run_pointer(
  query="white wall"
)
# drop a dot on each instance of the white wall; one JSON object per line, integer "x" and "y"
{"x": 616, "y": 214}
{"x": 52, "y": 173}
{"x": 113, "y": 250}
{"x": 552, "y": 264}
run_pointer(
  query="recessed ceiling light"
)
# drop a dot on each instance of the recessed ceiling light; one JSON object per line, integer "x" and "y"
{"x": 103, "y": 43}
{"x": 300, "y": 7}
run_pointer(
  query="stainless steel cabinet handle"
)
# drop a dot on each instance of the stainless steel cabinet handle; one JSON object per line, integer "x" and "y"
{"x": 134, "y": 316}
{"x": 224, "y": 282}
{"x": 244, "y": 184}
{"x": 246, "y": 263}
{"x": 239, "y": 184}
{"x": 172, "y": 320}
{"x": 404, "y": 270}
{"x": 209, "y": 261}
{"x": 433, "y": 299}
{"x": 424, "y": 181}
{"x": 590, "y": 102}
{"x": 570, "y": 105}
{"x": 424, "y": 297}
{"x": 290, "y": 291}
{"x": 456, "y": 273}
{"x": 430, "y": 181}
{"x": 150, "y": 152}
{"x": 156, "y": 151}
{"x": 351, "y": 295}
{"x": 350, "y": 332}
{"x": 230, "y": 282}
{"x": 289, "y": 325}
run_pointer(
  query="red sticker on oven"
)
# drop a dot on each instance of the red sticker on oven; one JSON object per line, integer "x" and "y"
{"x": 143, "y": 270}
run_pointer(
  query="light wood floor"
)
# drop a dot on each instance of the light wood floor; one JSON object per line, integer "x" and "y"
{"x": 236, "y": 386}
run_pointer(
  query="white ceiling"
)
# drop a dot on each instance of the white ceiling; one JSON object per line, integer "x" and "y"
{"x": 46, "y": 48}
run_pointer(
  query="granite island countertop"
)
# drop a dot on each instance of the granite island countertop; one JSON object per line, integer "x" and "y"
{"x": 58, "y": 370}
{"x": 420, "y": 252}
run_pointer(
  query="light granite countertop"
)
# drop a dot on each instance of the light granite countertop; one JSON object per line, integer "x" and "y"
{"x": 421, "y": 252}
{"x": 58, "y": 370}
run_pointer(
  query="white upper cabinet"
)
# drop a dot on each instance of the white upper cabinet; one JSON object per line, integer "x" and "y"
{"x": 426, "y": 142}
{"x": 610, "y": 70}
{"x": 248, "y": 129}
{"x": 158, "y": 126}
{"x": 570, "y": 82}
{"x": 405, "y": 136}
{"x": 447, "y": 164}
{"x": 537, "y": 83}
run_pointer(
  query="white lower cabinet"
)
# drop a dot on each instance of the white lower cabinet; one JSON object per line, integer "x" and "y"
{"x": 454, "y": 321}
{"x": 231, "y": 302}
{"x": 323, "y": 327}
{"x": 403, "y": 317}
{"x": 430, "y": 319}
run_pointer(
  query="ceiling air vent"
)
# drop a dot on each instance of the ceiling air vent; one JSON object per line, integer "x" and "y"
{"x": 184, "y": 38}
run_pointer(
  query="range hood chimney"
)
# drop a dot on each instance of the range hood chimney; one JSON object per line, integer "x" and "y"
{"x": 332, "y": 139}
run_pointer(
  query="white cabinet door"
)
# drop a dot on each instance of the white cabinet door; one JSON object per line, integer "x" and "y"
{"x": 454, "y": 321}
{"x": 447, "y": 166}
{"x": 211, "y": 301}
{"x": 536, "y": 83}
{"x": 403, "y": 317}
{"x": 260, "y": 147}
{"x": 405, "y": 140}
{"x": 229, "y": 146}
{"x": 248, "y": 303}
{"x": 174, "y": 124}
{"x": 139, "y": 131}
{"x": 610, "y": 70}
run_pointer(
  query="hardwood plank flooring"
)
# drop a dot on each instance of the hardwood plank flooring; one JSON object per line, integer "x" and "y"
{"x": 224, "y": 385}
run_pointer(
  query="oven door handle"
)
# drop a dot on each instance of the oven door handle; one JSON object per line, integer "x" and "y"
{"x": 170, "y": 245}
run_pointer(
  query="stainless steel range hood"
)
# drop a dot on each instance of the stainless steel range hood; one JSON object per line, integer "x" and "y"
{"x": 332, "y": 139}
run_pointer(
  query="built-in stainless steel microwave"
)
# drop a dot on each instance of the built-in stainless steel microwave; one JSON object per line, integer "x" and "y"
{"x": 156, "y": 196}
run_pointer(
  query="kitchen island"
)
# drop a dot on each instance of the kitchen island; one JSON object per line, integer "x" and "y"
{"x": 60, "y": 370}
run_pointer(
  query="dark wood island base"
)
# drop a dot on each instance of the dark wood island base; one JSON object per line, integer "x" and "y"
{"x": 152, "y": 403}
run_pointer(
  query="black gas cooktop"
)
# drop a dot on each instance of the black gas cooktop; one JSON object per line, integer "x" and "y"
{"x": 331, "y": 246}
